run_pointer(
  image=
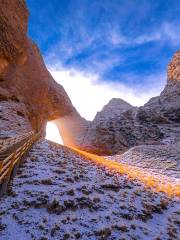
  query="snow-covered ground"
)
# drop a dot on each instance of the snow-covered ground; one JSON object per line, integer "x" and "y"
{"x": 58, "y": 194}
{"x": 163, "y": 160}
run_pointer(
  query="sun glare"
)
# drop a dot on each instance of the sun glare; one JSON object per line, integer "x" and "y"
{"x": 52, "y": 133}
{"x": 158, "y": 183}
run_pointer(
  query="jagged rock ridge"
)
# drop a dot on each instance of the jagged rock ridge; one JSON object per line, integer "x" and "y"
{"x": 113, "y": 131}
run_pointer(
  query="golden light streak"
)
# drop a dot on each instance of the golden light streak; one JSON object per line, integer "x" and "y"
{"x": 157, "y": 183}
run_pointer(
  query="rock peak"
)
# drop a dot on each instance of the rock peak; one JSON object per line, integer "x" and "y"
{"x": 116, "y": 105}
{"x": 118, "y": 101}
{"x": 174, "y": 67}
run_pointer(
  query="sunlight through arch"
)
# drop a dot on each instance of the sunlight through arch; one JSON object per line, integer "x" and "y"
{"x": 52, "y": 133}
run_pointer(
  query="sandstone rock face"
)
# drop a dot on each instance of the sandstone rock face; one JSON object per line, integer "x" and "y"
{"x": 174, "y": 68}
{"x": 13, "y": 28}
{"x": 34, "y": 86}
{"x": 25, "y": 83}
{"x": 114, "y": 131}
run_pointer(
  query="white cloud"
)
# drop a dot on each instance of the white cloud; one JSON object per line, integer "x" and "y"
{"x": 89, "y": 93}
{"x": 117, "y": 38}
{"x": 147, "y": 38}
{"x": 167, "y": 31}
{"x": 102, "y": 62}
{"x": 172, "y": 32}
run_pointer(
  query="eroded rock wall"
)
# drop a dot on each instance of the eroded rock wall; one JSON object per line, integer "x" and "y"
{"x": 13, "y": 28}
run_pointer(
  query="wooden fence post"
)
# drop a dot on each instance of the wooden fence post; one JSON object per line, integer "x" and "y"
{"x": 1, "y": 165}
{"x": 7, "y": 178}
{"x": 1, "y": 184}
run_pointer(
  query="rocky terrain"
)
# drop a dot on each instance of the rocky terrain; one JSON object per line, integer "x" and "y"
{"x": 156, "y": 159}
{"x": 59, "y": 194}
{"x": 29, "y": 97}
{"x": 120, "y": 126}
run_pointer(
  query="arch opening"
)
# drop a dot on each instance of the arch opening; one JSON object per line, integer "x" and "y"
{"x": 52, "y": 133}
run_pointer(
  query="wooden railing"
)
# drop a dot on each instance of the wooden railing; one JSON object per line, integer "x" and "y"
{"x": 12, "y": 151}
{"x": 5, "y": 143}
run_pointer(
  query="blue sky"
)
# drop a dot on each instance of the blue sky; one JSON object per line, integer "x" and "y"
{"x": 125, "y": 44}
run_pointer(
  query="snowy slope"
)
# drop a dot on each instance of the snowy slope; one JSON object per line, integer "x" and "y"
{"x": 58, "y": 194}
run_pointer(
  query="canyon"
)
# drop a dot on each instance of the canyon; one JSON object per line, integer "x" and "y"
{"x": 30, "y": 97}
{"x": 59, "y": 193}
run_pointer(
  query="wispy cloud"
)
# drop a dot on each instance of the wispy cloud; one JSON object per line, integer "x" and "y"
{"x": 89, "y": 93}
{"x": 98, "y": 53}
{"x": 166, "y": 32}
{"x": 116, "y": 38}
{"x": 103, "y": 51}
{"x": 172, "y": 32}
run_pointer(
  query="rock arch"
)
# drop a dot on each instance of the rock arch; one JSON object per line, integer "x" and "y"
{"x": 26, "y": 86}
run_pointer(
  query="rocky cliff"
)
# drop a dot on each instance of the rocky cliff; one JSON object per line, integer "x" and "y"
{"x": 120, "y": 126}
{"x": 29, "y": 96}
